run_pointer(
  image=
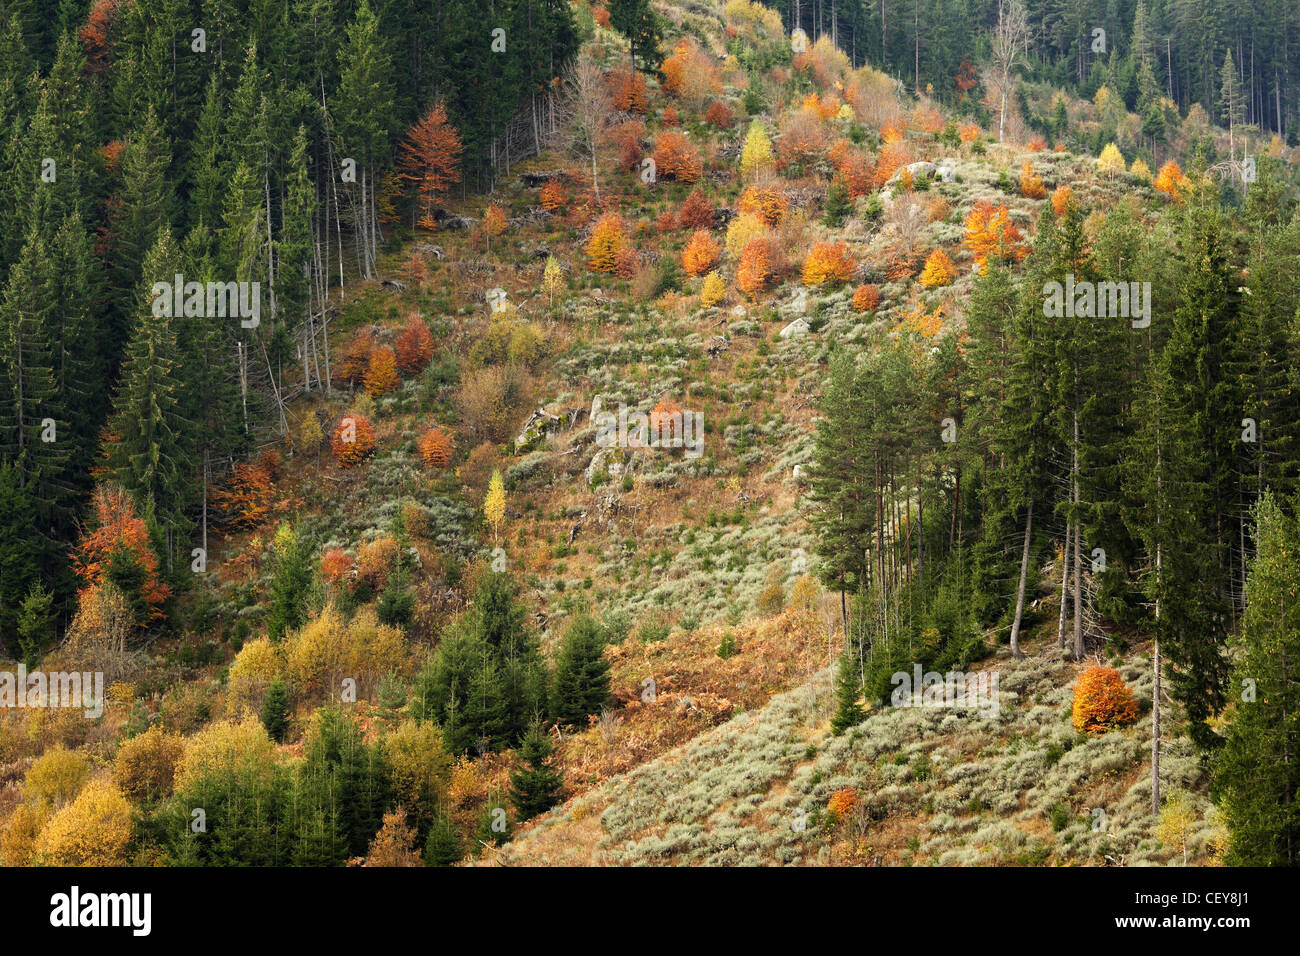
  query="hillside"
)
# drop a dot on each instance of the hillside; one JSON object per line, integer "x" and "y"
{"x": 384, "y": 578}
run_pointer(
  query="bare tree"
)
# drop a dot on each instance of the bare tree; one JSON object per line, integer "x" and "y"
{"x": 586, "y": 107}
{"x": 1010, "y": 43}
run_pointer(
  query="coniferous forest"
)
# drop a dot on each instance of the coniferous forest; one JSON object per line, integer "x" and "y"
{"x": 649, "y": 432}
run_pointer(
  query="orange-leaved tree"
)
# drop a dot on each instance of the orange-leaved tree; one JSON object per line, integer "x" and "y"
{"x": 606, "y": 243}
{"x": 1062, "y": 198}
{"x": 552, "y": 195}
{"x": 755, "y": 268}
{"x": 429, "y": 160}
{"x": 381, "y": 375}
{"x": 435, "y": 448}
{"x": 414, "y": 347}
{"x": 696, "y": 211}
{"x": 118, "y": 551}
{"x": 989, "y": 231}
{"x": 938, "y": 270}
{"x": 676, "y": 158}
{"x": 353, "y": 440}
{"x": 701, "y": 253}
{"x": 765, "y": 202}
{"x": 1102, "y": 700}
{"x": 866, "y": 297}
{"x": 828, "y": 262}
{"x": 356, "y": 357}
{"x": 1031, "y": 184}
{"x": 494, "y": 223}
{"x": 1171, "y": 180}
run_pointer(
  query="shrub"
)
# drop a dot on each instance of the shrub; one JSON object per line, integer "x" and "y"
{"x": 552, "y": 195}
{"x": 720, "y": 115}
{"x": 381, "y": 375}
{"x": 1031, "y": 185}
{"x": 1102, "y": 700}
{"x": 255, "y": 666}
{"x": 712, "y": 291}
{"x": 765, "y": 202}
{"x": 675, "y": 157}
{"x": 56, "y": 778}
{"x": 696, "y": 211}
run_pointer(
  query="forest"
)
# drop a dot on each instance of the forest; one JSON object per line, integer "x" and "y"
{"x": 976, "y": 314}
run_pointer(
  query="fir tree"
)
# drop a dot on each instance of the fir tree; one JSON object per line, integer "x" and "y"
{"x": 581, "y": 673}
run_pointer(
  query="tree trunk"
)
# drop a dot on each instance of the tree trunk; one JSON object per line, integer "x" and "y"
{"x": 1020, "y": 590}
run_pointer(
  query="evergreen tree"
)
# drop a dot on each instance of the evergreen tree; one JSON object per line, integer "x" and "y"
{"x": 291, "y": 581}
{"x": 535, "y": 786}
{"x": 275, "y": 710}
{"x": 581, "y": 673}
{"x": 1256, "y": 778}
{"x": 442, "y": 848}
{"x": 848, "y": 689}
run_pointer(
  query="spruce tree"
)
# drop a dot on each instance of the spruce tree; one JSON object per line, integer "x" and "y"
{"x": 443, "y": 847}
{"x": 848, "y": 689}
{"x": 581, "y": 673}
{"x": 535, "y": 786}
{"x": 275, "y": 710}
{"x": 1256, "y": 778}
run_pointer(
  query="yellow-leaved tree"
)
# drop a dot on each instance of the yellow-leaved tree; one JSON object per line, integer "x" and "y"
{"x": 552, "y": 278}
{"x": 757, "y": 153}
{"x": 712, "y": 291}
{"x": 1111, "y": 161}
{"x": 494, "y": 504}
{"x": 93, "y": 830}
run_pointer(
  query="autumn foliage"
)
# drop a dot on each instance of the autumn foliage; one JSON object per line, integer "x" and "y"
{"x": 607, "y": 247}
{"x": 356, "y": 357}
{"x": 120, "y": 539}
{"x": 1062, "y": 199}
{"x": 989, "y": 231}
{"x": 353, "y": 440}
{"x": 629, "y": 92}
{"x": 696, "y": 211}
{"x": 429, "y": 160}
{"x": 938, "y": 270}
{"x": 1031, "y": 184}
{"x": 435, "y": 448}
{"x": 414, "y": 347}
{"x": 1171, "y": 180}
{"x": 1102, "y": 700}
{"x": 865, "y": 298}
{"x": 828, "y": 262}
{"x": 719, "y": 114}
{"x": 700, "y": 254}
{"x": 552, "y": 195}
{"x": 675, "y": 157}
{"x": 765, "y": 202}
{"x": 245, "y": 499}
{"x": 381, "y": 374}
{"x": 755, "y": 268}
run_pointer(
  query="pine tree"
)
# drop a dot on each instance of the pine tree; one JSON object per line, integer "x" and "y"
{"x": 535, "y": 786}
